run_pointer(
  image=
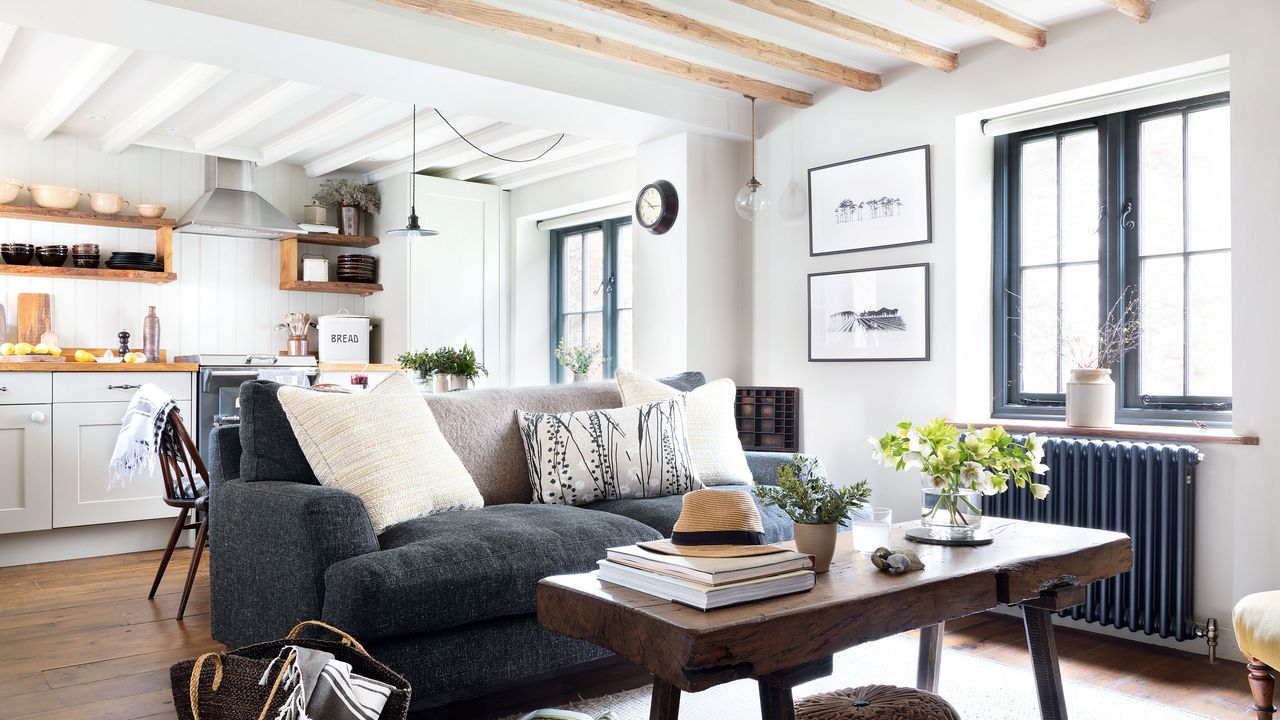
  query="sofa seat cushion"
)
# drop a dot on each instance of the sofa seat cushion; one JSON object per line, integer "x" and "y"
{"x": 442, "y": 571}
{"x": 661, "y": 513}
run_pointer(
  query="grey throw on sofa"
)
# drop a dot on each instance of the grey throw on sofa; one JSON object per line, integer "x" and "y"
{"x": 446, "y": 600}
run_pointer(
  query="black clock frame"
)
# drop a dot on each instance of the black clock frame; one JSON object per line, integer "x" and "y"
{"x": 670, "y": 207}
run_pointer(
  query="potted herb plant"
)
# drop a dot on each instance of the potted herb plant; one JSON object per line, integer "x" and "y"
{"x": 816, "y": 506}
{"x": 352, "y": 198}
{"x": 957, "y": 470}
{"x": 577, "y": 359}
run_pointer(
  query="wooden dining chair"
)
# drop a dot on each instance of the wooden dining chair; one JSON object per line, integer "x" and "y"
{"x": 186, "y": 486}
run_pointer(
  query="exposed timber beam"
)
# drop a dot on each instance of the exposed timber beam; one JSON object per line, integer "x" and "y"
{"x": 855, "y": 30}
{"x": 489, "y": 17}
{"x": 1139, "y": 10}
{"x": 329, "y": 121}
{"x": 720, "y": 38}
{"x": 277, "y": 97}
{"x": 995, "y": 23}
{"x": 169, "y": 100}
{"x": 76, "y": 88}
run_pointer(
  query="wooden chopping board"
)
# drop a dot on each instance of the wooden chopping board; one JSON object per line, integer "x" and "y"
{"x": 34, "y": 316}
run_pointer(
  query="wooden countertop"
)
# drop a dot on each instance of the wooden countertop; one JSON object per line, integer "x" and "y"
{"x": 73, "y": 366}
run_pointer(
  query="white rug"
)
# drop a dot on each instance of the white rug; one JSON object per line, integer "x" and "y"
{"x": 979, "y": 689}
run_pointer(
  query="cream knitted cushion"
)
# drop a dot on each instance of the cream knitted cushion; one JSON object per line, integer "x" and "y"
{"x": 384, "y": 447}
{"x": 713, "y": 432}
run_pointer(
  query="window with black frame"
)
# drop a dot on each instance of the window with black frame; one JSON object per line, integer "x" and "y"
{"x": 1123, "y": 216}
{"x": 591, "y": 293}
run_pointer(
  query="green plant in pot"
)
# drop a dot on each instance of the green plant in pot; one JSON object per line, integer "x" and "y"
{"x": 957, "y": 469}
{"x": 352, "y": 198}
{"x": 816, "y": 506}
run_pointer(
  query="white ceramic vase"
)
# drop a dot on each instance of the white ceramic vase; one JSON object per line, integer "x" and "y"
{"x": 1091, "y": 398}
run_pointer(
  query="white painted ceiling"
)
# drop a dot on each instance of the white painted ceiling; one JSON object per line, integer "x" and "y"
{"x": 328, "y": 84}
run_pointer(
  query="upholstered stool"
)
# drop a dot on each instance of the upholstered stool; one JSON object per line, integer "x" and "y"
{"x": 1257, "y": 622}
{"x": 875, "y": 702}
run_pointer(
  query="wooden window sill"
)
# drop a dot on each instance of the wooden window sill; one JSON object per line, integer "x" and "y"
{"x": 1119, "y": 432}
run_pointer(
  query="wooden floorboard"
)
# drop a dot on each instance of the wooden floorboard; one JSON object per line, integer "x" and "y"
{"x": 80, "y": 639}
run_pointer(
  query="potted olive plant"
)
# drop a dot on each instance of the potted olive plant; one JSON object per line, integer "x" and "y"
{"x": 352, "y": 198}
{"x": 816, "y": 506}
{"x": 577, "y": 359}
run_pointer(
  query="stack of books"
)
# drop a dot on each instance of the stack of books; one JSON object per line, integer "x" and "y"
{"x": 708, "y": 583}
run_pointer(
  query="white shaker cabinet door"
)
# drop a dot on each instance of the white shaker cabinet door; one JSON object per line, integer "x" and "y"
{"x": 26, "y": 458}
{"x": 84, "y": 435}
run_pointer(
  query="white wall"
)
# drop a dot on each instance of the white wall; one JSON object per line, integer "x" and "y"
{"x": 226, "y": 297}
{"x": 844, "y": 403}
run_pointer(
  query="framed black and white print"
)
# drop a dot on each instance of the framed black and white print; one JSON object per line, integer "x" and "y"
{"x": 877, "y": 314}
{"x": 870, "y": 202}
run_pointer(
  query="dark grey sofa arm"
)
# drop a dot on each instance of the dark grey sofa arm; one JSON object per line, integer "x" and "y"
{"x": 274, "y": 542}
{"x": 764, "y": 465}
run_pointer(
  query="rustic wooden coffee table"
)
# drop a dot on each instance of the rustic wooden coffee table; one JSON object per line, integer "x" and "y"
{"x": 790, "y": 640}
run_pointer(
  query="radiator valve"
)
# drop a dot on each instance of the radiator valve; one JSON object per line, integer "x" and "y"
{"x": 1209, "y": 631}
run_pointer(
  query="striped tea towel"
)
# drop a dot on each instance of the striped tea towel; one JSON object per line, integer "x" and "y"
{"x": 139, "y": 439}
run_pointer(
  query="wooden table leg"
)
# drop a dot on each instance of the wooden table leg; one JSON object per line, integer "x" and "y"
{"x": 665, "y": 704}
{"x": 1044, "y": 662}
{"x": 929, "y": 665}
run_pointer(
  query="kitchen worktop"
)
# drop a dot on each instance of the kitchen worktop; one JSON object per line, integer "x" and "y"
{"x": 73, "y": 366}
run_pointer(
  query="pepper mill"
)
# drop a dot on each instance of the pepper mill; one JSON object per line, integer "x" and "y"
{"x": 151, "y": 335}
{"x": 124, "y": 342}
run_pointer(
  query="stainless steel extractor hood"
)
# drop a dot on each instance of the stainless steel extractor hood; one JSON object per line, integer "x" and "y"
{"x": 230, "y": 207}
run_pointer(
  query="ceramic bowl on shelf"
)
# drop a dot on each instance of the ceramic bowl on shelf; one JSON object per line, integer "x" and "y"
{"x": 54, "y": 197}
{"x": 8, "y": 190}
{"x": 17, "y": 253}
{"x": 148, "y": 210}
{"x": 107, "y": 203}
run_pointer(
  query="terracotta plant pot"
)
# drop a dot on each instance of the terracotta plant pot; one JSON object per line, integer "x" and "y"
{"x": 350, "y": 225}
{"x": 818, "y": 541}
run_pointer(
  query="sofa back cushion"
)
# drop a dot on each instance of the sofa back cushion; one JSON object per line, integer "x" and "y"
{"x": 481, "y": 427}
{"x": 269, "y": 450}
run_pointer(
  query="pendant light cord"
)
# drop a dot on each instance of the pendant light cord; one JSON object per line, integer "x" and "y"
{"x": 498, "y": 157}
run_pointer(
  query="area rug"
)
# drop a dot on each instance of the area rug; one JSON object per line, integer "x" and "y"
{"x": 979, "y": 689}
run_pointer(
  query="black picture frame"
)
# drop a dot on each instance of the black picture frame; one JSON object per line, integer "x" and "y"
{"x": 926, "y": 304}
{"x": 928, "y": 199}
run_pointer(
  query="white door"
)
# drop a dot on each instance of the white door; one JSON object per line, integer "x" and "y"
{"x": 26, "y": 472}
{"x": 85, "y": 434}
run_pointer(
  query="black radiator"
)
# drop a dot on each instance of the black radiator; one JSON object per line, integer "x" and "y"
{"x": 1145, "y": 491}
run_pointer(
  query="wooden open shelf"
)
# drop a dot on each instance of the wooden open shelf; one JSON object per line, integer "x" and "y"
{"x": 289, "y": 264}
{"x": 163, "y": 228}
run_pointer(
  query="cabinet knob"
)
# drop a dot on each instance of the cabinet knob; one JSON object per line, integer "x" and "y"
{"x": 123, "y": 387}
{"x": 37, "y": 417}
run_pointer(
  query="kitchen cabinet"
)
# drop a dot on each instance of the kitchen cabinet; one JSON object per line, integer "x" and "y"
{"x": 26, "y": 468}
{"x": 84, "y": 434}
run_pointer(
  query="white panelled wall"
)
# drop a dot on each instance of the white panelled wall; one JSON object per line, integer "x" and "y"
{"x": 226, "y": 297}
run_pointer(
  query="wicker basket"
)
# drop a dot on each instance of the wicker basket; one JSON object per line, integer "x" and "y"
{"x": 224, "y": 686}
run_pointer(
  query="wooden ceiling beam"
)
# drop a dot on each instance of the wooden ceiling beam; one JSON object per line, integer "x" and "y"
{"x": 1139, "y": 10}
{"x": 995, "y": 23}
{"x": 493, "y": 18}
{"x": 846, "y": 27}
{"x": 720, "y": 38}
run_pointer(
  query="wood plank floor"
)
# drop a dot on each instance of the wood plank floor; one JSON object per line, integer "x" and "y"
{"x": 79, "y": 639}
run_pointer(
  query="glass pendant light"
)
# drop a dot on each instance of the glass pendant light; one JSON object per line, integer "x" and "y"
{"x": 413, "y": 230}
{"x": 750, "y": 201}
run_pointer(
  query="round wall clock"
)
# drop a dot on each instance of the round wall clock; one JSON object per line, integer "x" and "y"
{"x": 657, "y": 206}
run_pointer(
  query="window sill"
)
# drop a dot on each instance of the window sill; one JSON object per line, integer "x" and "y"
{"x": 1119, "y": 432}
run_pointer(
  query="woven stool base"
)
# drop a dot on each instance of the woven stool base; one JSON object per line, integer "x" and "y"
{"x": 875, "y": 702}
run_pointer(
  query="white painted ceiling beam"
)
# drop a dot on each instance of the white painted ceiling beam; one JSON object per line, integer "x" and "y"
{"x": 76, "y": 88}
{"x": 267, "y": 103}
{"x": 569, "y": 147}
{"x": 495, "y": 138}
{"x": 566, "y": 166}
{"x": 163, "y": 141}
{"x": 319, "y": 127}
{"x": 178, "y": 94}
{"x": 7, "y": 33}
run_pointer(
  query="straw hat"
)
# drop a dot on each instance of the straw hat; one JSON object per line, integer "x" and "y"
{"x": 716, "y": 524}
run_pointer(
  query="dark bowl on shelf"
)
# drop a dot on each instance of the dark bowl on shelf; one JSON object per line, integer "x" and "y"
{"x": 17, "y": 253}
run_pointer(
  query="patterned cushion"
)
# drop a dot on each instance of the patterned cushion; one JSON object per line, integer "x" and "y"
{"x": 638, "y": 451}
{"x": 713, "y": 431}
{"x": 384, "y": 447}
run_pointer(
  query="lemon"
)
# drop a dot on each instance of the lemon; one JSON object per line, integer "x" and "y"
{"x": 40, "y": 349}
{"x": 84, "y": 356}
{"x": 23, "y": 348}
{"x": 6, "y": 349}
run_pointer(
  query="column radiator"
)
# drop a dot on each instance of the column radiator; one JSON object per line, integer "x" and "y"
{"x": 1146, "y": 491}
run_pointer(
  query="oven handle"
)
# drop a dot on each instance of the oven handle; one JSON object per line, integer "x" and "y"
{"x": 206, "y": 376}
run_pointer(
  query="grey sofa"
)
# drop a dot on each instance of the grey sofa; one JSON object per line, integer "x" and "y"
{"x": 447, "y": 600}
